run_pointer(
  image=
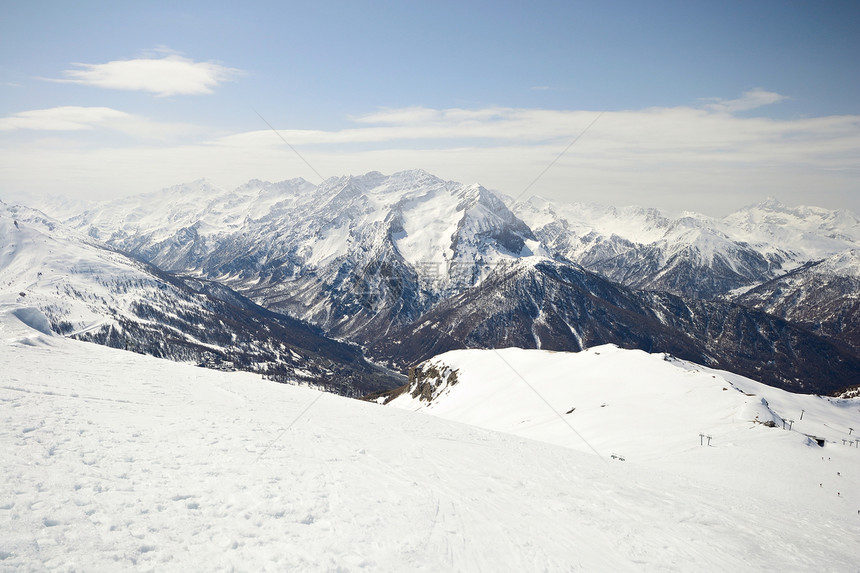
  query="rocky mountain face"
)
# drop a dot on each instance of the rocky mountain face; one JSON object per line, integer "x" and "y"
{"x": 553, "y": 305}
{"x": 822, "y": 296}
{"x": 95, "y": 294}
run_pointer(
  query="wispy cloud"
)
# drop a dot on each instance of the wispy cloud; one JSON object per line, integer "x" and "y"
{"x": 752, "y": 99}
{"x": 78, "y": 118}
{"x": 711, "y": 131}
{"x": 417, "y": 124}
{"x": 67, "y": 118}
{"x": 169, "y": 75}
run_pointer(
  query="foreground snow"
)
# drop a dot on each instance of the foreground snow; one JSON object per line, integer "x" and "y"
{"x": 114, "y": 461}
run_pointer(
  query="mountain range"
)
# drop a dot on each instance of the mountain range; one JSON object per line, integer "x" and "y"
{"x": 691, "y": 254}
{"x": 93, "y": 293}
{"x": 408, "y": 265}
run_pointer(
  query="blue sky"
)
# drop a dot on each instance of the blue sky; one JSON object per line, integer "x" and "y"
{"x": 705, "y": 105}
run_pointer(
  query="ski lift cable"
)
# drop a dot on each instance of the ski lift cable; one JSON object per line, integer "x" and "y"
{"x": 294, "y": 420}
{"x": 296, "y": 151}
{"x": 559, "y": 156}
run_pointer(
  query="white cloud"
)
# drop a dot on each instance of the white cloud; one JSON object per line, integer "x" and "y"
{"x": 79, "y": 118}
{"x": 678, "y": 135}
{"x": 165, "y": 76}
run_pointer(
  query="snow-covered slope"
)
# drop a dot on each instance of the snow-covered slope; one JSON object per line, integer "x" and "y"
{"x": 116, "y": 461}
{"x": 690, "y": 254}
{"x": 93, "y": 293}
{"x": 648, "y": 407}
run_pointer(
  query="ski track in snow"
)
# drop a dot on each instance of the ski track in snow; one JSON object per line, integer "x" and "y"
{"x": 114, "y": 461}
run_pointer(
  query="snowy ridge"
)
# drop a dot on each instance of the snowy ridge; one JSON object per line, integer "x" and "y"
{"x": 823, "y": 296}
{"x": 75, "y": 283}
{"x": 844, "y": 264}
{"x": 175, "y": 467}
{"x": 450, "y": 235}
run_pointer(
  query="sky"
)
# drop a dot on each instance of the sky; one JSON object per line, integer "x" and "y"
{"x": 703, "y": 106}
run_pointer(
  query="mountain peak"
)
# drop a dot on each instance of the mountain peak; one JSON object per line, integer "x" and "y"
{"x": 771, "y": 203}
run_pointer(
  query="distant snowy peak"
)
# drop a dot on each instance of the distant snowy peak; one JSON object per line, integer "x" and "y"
{"x": 807, "y": 232}
{"x": 691, "y": 254}
{"x": 773, "y": 211}
{"x": 61, "y": 207}
{"x": 636, "y": 224}
{"x": 364, "y": 256}
{"x": 199, "y": 203}
{"x": 375, "y": 251}
{"x": 353, "y": 254}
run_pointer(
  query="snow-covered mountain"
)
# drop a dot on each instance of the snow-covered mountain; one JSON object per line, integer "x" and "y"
{"x": 90, "y": 292}
{"x": 116, "y": 461}
{"x": 823, "y": 296}
{"x": 804, "y": 233}
{"x": 353, "y": 255}
{"x": 553, "y": 305}
{"x": 690, "y": 254}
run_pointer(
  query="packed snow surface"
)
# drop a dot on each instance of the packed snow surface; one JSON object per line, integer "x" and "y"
{"x": 114, "y": 461}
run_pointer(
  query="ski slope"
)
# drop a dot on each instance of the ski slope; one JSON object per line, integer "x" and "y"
{"x": 114, "y": 461}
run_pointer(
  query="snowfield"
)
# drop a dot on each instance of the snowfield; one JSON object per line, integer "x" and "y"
{"x": 114, "y": 461}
